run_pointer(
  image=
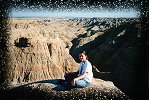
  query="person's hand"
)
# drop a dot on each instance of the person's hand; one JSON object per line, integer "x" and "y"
{"x": 73, "y": 82}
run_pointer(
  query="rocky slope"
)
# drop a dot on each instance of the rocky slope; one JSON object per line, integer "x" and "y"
{"x": 54, "y": 90}
{"x": 117, "y": 54}
{"x": 36, "y": 54}
{"x": 47, "y": 48}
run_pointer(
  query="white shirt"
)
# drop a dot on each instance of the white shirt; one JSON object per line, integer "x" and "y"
{"x": 86, "y": 67}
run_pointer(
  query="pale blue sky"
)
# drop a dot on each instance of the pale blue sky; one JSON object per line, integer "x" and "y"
{"x": 88, "y": 14}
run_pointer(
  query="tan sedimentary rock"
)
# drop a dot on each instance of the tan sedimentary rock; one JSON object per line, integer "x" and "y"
{"x": 33, "y": 57}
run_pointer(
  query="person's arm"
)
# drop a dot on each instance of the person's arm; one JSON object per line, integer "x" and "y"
{"x": 79, "y": 78}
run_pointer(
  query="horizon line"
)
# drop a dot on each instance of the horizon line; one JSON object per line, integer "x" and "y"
{"x": 101, "y": 14}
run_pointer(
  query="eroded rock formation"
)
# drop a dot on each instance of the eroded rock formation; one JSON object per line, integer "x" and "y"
{"x": 39, "y": 52}
{"x": 43, "y": 49}
{"x": 117, "y": 53}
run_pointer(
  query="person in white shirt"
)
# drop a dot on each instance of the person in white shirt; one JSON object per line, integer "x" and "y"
{"x": 85, "y": 74}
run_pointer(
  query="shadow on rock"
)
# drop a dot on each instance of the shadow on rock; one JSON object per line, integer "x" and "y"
{"x": 52, "y": 89}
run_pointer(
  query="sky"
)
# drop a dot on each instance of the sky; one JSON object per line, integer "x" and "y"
{"x": 77, "y": 8}
{"x": 87, "y": 14}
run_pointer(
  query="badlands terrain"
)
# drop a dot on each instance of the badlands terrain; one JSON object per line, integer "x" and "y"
{"x": 41, "y": 49}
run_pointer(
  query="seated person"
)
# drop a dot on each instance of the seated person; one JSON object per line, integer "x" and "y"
{"x": 83, "y": 77}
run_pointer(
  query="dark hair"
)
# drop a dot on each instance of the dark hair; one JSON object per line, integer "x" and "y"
{"x": 85, "y": 53}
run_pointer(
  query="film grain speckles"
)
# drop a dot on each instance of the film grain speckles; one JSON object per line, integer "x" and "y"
{"x": 91, "y": 6}
{"x": 76, "y": 4}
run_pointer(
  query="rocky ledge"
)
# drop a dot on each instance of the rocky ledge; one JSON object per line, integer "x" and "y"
{"x": 55, "y": 90}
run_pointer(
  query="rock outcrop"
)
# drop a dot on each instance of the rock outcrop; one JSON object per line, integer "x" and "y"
{"x": 37, "y": 54}
{"x": 54, "y": 90}
{"x": 43, "y": 49}
{"x": 117, "y": 54}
